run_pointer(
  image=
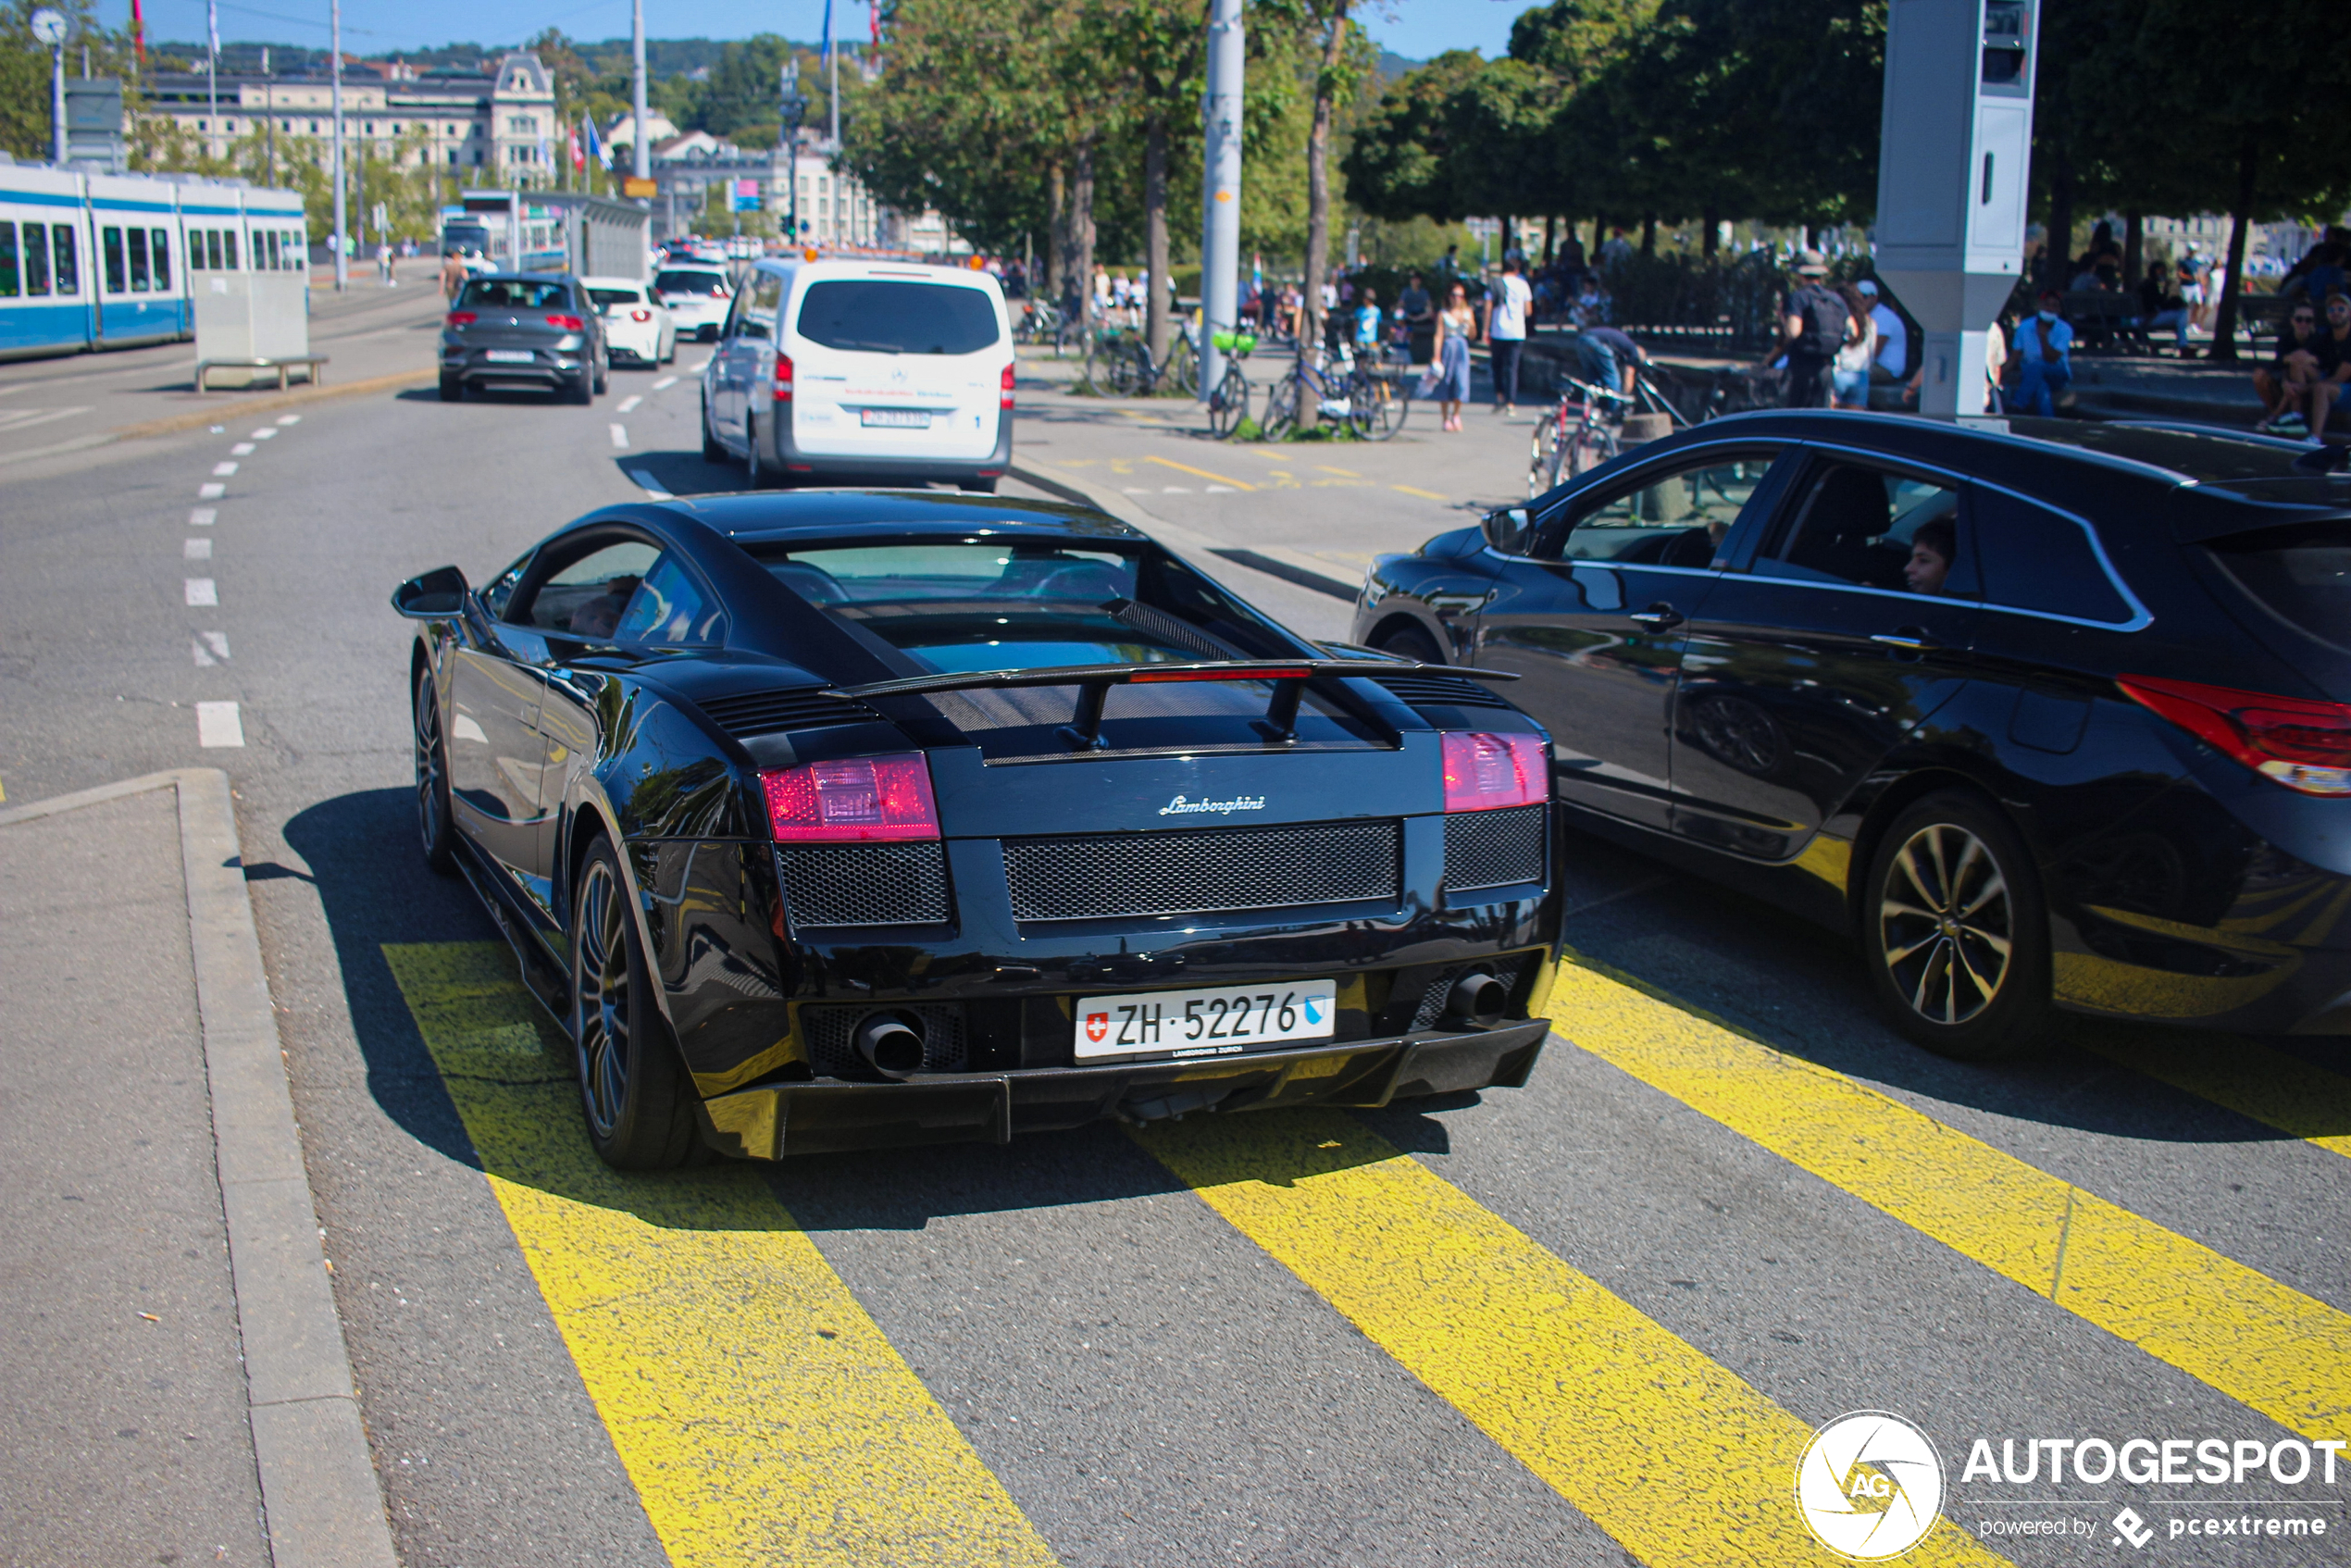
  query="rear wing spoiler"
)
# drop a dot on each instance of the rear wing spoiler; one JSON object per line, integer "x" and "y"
{"x": 1094, "y": 682}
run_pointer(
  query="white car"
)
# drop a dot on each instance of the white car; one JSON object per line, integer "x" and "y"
{"x": 696, "y": 297}
{"x": 637, "y": 326}
{"x": 879, "y": 370}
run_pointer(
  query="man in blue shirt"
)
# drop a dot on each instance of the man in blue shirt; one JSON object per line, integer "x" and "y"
{"x": 2042, "y": 345}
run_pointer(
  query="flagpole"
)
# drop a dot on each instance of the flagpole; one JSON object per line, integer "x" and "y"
{"x": 342, "y": 242}
{"x": 212, "y": 74}
{"x": 832, "y": 80}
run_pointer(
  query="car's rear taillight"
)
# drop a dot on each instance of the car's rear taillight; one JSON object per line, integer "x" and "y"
{"x": 783, "y": 377}
{"x": 2302, "y": 744}
{"x": 1005, "y": 399}
{"x": 641, "y": 315}
{"x": 859, "y": 800}
{"x": 1484, "y": 771}
{"x": 568, "y": 323}
{"x": 462, "y": 318}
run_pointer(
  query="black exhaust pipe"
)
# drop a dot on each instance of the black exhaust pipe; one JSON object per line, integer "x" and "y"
{"x": 892, "y": 1043}
{"x": 1478, "y": 1000}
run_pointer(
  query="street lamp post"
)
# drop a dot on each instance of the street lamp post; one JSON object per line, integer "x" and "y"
{"x": 639, "y": 156}
{"x": 795, "y": 105}
{"x": 343, "y": 238}
{"x": 49, "y": 27}
{"x": 1220, "y": 251}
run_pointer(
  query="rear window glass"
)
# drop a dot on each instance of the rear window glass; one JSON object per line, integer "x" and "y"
{"x": 883, "y": 315}
{"x": 2303, "y": 573}
{"x": 682, "y": 280}
{"x": 2033, "y": 558}
{"x": 616, "y": 296}
{"x": 513, "y": 293}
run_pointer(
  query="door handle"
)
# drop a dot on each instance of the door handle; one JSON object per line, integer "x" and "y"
{"x": 1660, "y": 617}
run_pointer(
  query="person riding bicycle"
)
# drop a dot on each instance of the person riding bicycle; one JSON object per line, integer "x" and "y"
{"x": 1609, "y": 358}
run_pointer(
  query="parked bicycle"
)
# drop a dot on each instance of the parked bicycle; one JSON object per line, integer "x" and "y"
{"x": 1119, "y": 364}
{"x": 1585, "y": 428}
{"x": 1343, "y": 390}
{"x": 1229, "y": 399}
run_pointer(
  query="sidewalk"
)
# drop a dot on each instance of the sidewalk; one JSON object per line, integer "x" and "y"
{"x": 169, "y": 1358}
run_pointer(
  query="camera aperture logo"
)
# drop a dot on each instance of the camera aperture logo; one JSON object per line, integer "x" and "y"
{"x": 1869, "y": 1486}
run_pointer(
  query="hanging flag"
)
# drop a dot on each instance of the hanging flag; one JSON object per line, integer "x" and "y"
{"x": 596, "y": 148}
{"x": 212, "y": 26}
{"x": 139, "y": 32}
{"x": 829, "y": 32}
{"x": 578, "y": 156}
{"x": 872, "y": 20}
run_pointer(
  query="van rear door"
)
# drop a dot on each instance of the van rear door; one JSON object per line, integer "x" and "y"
{"x": 897, "y": 362}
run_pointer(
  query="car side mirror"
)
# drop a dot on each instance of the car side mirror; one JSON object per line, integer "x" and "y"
{"x": 1508, "y": 530}
{"x": 439, "y": 593}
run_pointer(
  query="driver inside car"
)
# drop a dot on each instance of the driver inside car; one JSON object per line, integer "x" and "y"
{"x": 596, "y": 618}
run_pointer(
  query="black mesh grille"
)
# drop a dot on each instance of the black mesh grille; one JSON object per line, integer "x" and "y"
{"x": 865, "y": 884}
{"x": 1110, "y": 875}
{"x": 765, "y": 713}
{"x": 1493, "y": 849}
{"x": 1452, "y": 690}
{"x": 1433, "y": 999}
{"x": 827, "y": 1031}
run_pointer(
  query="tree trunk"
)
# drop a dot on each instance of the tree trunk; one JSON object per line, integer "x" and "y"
{"x": 1056, "y": 232}
{"x": 1077, "y": 236}
{"x": 2224, "y": 325}
{"x": 1648, "y": 235}
{"x": 1550, "y": 240}
{"x": 1318, "y": 195}
{"x": 1155, "y": 322}
{"x": 1709, "y": 244}
{"x": 2134, "y": 244}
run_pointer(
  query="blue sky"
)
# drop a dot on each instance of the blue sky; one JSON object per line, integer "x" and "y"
{"x": 1413, "y": 28}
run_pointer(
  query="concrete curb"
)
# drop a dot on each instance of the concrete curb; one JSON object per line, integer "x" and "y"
{"x": 204, "y": 419}
{"x": 1298, "y": 569}
{"x": 319, "y": 1491}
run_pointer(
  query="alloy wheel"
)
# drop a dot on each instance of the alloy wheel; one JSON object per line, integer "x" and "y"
{"x": 600, "y": 1003}
{"x": 430, "y": 770}
{"x": 1947, "y": 924}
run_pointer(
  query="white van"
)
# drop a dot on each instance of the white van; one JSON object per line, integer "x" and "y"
{"x": 873, "y": 370}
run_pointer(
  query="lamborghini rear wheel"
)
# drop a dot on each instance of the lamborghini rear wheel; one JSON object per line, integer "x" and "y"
{"x": 632, "y": 1091}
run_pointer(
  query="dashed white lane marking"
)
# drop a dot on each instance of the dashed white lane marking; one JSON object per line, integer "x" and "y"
{"x": 647, "y": 483}
{"x": 290, "y": 418}
{"x": 628, "y": 405}
{"x": 665, "y": 383}
{"x": 210, "y": 648}
{"x": 201, "y": 590}
{"x": 266, "y": 433}
{"x": 1222, "y": 490}
{"x": 196, "y": 550}
{"x": 211, "y": 491}
{"x": 222, "y": 470}
{"x": 202, "y": 517}
{"x": 217, "y": 724}
{"x": 1139, "y": 489}
{"x": 697, "y": 367}
{"x": 621, "y": 437}
{"x": 242, "y": 449}
{"x": 1176, "y": 490}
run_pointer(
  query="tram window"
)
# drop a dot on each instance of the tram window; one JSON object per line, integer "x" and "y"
{"x": 163, "y": 260}
{"x": 272, "y": 238}
{"x": 118, "y": 282}
{"x": 211, "y": 238}
{"x": 69, "y": 264}
{"x": 228, "y": 242}
{"x": 140, "y": 282}
{"x": 7, "y": 260}
{"x": 36, "y": 258}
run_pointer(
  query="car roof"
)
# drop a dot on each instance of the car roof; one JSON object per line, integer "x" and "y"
{"x": 2163, "y": 451}
{"x": 752, "y": 517}
{"x": 616, "y": 282}
{"x": 522, "y": 278}
{"x": 861, "y": 267}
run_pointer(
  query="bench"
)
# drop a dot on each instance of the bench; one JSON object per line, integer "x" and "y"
{"x": 2102, "y": 318}
{"x": 311, "y": 363}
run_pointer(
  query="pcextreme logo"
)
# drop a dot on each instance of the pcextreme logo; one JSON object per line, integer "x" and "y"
{"x": 1869, "y": 1485}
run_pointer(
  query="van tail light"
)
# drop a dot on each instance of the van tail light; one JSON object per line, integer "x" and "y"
{"x": 2304, "y": 745}
{"x": 463, "y": 317}
{"x": 641, "y": 315}
{"x": 855, "y": 800}
{"x": 1005, "y": 399}
{"x": 568, "y": 323}
{"x": 783, "y": 377}
{"x": 1484, "y": 771}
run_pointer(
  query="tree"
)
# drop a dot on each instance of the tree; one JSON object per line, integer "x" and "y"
{"x": 1151, "y": 55}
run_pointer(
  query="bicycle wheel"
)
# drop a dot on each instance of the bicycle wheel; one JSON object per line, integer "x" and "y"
{"x": 1375, "y": 407}
{"x": 1229, "y": 404}
{"x": 1544, "y": 454}
{"x": 1281, "y": 407}
{"x": 1590, "y": 447}
{"x": 1182, "y": 373}
{"x": 1125, "y": 375}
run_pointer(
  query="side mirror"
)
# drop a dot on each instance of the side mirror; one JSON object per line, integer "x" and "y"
{"x": 1508, "y": 530}
{"x": 434, "y": 596}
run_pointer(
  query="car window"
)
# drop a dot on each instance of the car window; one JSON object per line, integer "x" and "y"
{"x": 2302, "y": 572}
{"x": 585, "y": 597}
{"x": 605, "y": 298}
{"x": 513, "y": 293}
{"x": 690, "y": 280}
{"x": 495, "y": 596}
{"x": 1675, "y": 518}
{"x": 2038, "y": 559}
{"x": 1860, "y": 524}
{"x": 884, "y": 316}
{"x": 765, "y": 297}
{"x": 669, "y": 610}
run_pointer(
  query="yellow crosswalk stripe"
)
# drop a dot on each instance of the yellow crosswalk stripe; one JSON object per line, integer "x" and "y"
{"x": 2261, "y": 1342}
{"x": 760, "y": 1411}
{"x": 2253, "y": 1079}
{"x": 1673, "y": 1455}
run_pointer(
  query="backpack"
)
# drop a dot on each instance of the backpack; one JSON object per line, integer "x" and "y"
{"x": 1825, "y": 319}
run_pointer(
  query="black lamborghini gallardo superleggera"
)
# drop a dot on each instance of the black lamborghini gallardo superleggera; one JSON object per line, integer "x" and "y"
{"x": 838, "y": 819}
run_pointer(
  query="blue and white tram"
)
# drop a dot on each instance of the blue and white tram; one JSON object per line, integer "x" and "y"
{"x": 93, "y": 261}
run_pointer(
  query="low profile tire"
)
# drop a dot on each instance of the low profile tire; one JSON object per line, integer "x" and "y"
{"x": 756, "y": 474}
{"x": 1410, "y": 642}
{"x": 633, "y": 1093}
{"x": 603, "y": 379}
{"x": 436, "y": 824}
{"x": 711, "y": 452}
{"x": 581, "y": 389}
{"x": 1955, "y": 931}
{"x": 453, "y": 388}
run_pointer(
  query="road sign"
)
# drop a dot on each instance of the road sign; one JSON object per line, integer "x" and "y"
{"x": 634, "y": 187}
{"x": 745, "y": 194}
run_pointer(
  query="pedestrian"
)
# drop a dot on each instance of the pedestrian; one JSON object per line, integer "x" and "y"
{"x": 1505, "y": 310}
{"x": 1609, "y": 358}
{"x": 1449, "y": 382}
{"x": 2046, "y": 368}
{"x": 1996, "y": 363}
{"x": 1418, "y": 314}
{"x": 1367, "y": 325}
{"x": 452, "y": 275}
{"x": 1850, "y": 372}
{"x": 2160, "y": 307}
{"x": 2289, "y": 384}
{"x": 1893, "y": 335}
{"x": 2334, "y": 358}
{"x": 384, "y": 262}
{"x": 1812, "y": 329}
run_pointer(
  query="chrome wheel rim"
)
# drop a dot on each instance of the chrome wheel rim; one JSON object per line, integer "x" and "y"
{"x": 428, "y": 767}
{"x": 1946, "y": 924}
{"x": 600, "y": 999}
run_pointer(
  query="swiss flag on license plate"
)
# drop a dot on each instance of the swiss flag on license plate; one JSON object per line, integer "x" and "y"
{"x": 1097, "y": 1026}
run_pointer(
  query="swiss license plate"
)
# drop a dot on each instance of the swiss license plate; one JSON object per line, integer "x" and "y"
{"x": 1204, "y": 1023}
{"x": 509, "y": 355}
{"x": 894, "y": 418}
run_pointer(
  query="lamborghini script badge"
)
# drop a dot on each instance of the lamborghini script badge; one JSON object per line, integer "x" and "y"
{"x": 1179, "y": 806}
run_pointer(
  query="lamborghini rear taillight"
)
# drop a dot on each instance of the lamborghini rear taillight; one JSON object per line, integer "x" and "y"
{"x": 2302, "y": 744}
{"x": 859, "y": 800}
{"x": 1484, "y": 771}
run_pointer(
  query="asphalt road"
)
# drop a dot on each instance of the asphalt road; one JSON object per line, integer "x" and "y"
{"x": 1588, "y": 1321}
